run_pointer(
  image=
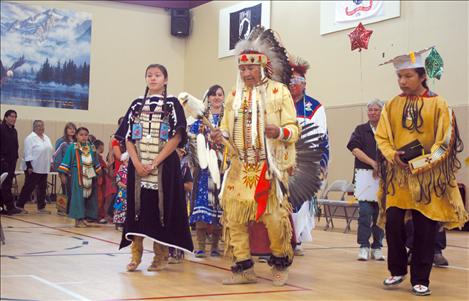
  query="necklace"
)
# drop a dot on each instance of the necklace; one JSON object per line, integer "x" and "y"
{"x": 85, "y": 149}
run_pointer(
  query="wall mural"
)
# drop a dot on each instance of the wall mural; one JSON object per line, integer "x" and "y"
{"x": 45, "y": 56}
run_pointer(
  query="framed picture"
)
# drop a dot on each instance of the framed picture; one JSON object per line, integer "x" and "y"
{"x": 236, "y": 23}
{"x": 340, "y": 15}
{"x": 45, "y": 56}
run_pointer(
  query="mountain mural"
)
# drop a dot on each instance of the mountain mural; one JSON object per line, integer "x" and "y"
{"x": 39, "y": 33}
{"x": 50, "y": 43}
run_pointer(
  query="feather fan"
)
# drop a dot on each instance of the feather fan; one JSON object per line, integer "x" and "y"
{"x": 305, "y": 181}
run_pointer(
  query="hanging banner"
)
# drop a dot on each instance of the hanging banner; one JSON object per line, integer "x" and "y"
{"x": 350, "y": 11}
{"x": 340, "y": 15}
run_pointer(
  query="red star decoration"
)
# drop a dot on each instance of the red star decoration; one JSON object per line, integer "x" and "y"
{"x": 360, "y": 37}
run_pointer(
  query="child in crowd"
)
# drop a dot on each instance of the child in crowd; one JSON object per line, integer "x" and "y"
{"x": 101, "y": 183}
{"x": 81, "y": 163}
{"x": 120, "y": 204}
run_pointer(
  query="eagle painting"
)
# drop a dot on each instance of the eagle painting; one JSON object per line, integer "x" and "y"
{"x": 8, "y": 72}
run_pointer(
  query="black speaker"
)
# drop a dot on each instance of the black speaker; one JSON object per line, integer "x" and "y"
{"x": 180, "y": 22}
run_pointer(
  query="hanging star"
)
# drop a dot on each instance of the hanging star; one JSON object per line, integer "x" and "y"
{"x": 360, "y": 37}
{"x": 434, "y": 64}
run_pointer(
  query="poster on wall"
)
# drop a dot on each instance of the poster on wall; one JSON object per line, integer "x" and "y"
{"x": 236, "y": 23}
{"x": 45, "y": 56}
{"x": 340, "y": 15}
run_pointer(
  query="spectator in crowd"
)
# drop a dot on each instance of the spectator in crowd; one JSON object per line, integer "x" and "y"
{"x": 101, "y": 183}
{"x": 362, "y": 144}
{"x": 61, "y": 146}
{"x": 36, "y": 165}
{"x": 114, "y": 159}
{"x": 120, "y": 204}
{"x": 91, "y": 138}
{"x": 116, "y": 149}
{"x": 8, "y": 158}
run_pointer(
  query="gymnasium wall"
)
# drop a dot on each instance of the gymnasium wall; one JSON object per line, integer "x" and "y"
{"x": 334, "y": 77}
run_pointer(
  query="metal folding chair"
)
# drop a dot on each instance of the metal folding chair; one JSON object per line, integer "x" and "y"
{"x": 331, "y": 206}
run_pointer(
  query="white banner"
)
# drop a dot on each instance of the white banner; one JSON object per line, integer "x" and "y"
{"x": 350, "y": 11}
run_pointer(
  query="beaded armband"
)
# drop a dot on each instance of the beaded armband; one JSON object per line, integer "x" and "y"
{"x": 285, "y": 134}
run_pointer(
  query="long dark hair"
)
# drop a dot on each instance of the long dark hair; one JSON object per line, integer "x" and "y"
{"x": 422, "y": 73}
{"x": 212, "y": 91}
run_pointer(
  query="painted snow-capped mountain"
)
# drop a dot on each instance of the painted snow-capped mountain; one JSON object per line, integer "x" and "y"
{"x": 38, "y": 33}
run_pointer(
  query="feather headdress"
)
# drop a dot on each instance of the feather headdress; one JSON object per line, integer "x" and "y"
{"x": 299, "y": 65}
{"x": 263, "y": 47}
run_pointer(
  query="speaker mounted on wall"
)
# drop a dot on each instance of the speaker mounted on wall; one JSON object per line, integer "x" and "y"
{"x": 180, "y": 22}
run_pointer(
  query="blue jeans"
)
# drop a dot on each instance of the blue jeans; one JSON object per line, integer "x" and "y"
{"x": 367, "y": 218}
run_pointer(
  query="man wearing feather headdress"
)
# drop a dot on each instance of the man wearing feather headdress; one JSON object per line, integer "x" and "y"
{"x": 260, "y": 122}
{"x": 419, "y": 140}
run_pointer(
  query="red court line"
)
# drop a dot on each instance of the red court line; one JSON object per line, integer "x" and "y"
{"x": 211, "y": 295}
{"x": 297, "y": 287}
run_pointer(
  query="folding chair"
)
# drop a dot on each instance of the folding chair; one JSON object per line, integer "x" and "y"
{"x": 331, "y": 206}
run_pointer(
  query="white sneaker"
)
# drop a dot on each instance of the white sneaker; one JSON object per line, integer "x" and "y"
{"x": 377, "y": 254}
{"x": 363, "y": 254}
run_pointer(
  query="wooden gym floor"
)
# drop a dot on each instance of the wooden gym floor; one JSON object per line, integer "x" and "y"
{"x": 46, "y": 258}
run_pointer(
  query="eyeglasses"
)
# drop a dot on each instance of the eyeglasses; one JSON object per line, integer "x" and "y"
{"x": 297, "y": 80}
